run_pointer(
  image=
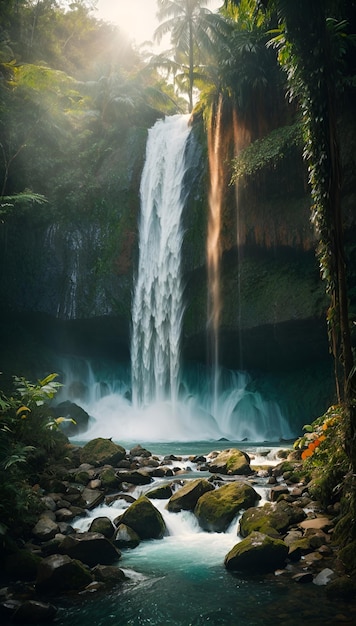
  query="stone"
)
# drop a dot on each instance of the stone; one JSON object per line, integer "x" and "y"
{"x": 270, "y": 519}
{"x": 143, "y": 517}
{"x": 34, "y": 612}
{"x": 216, "y": 509}
{"x": 72, "y": 411}
{"x": 136, "y": 477}
{"x": 102, "y": 451}
{"x": 324, "y": 577}
{"x": 257, "y": 553}
{"x": 231, "y": 462}
{"x": 64, "y": 515}
{"x": 92, "y": 497}
{"x": 140, "y": 451}
{"x": 187, "y": 496}
{"x": 278, "y": 491}
{"x": 102, "y": 525}
{"x": 109, "y": 479}
{"x": 90, "y": 548}
{"x": 108, "y": 574}
{"x": 126, "y": 537}
{"x": 163, "y": 492}
{"x": 45, "y": 529}
{"x": 59, "y": 572}
{"x": 319, "y": 523}
{"x": 303, "y": 577}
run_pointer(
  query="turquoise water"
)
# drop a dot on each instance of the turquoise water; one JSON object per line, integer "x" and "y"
{"x": 181, "y": 580}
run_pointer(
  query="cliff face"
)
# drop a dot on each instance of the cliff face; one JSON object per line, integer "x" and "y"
{"x": 77, "y": 273}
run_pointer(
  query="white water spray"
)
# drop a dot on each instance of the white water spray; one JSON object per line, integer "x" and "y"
{"x": 157, "y": 306}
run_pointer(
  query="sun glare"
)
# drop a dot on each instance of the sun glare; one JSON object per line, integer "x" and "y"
{"x": 136, "y": 18}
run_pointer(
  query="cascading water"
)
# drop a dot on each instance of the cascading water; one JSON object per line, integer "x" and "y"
{"x": 198, "y": 403}
{"x": 216, "y": 168}
{"x": 158, "y": 306}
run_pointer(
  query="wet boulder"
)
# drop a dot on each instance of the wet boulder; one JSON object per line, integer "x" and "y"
{"x": 45, "y": 529}
{"x": 90, "y": 548}
{"x": 270, "y": 519}
{"x": 187, "y": 496}
{"x": 231, "y": 462}
{"x": 163, "y": 492}
{"x": 216, "y": 509}
{"x": 71, "y": 411}
{"x": 59, "y": 572}
{"x": 109, "y": 479}
{"x": 102, "y": 451}
{"x": 126, "y": 537}
{"x": 108, "y": 574}
{"x": 102, "y": 525}
{"x": 136, "y": 477}
{"x": 143, "y": 517}
{"x": 257, "y": 553}
{"x": 34, "y": 612}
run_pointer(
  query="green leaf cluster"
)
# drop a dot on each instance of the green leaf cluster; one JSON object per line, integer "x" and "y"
{"x": 267, "y": 152}
{"x": 26, "y": 428}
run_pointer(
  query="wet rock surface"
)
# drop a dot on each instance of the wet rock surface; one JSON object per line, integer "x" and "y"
{"x": 289, "y": 536}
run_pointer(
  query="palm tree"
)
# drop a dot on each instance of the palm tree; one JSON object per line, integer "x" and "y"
{"x": 191, "y": 33}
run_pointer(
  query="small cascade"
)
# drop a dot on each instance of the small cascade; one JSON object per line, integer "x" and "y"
{"x": 157, "y": 304}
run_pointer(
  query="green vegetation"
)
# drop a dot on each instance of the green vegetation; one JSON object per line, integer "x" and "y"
{"x": 75, "y": 103}
{"x": 29, "y": 442}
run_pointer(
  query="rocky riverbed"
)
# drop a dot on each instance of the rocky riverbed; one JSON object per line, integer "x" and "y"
{"x": 286, "y": 534}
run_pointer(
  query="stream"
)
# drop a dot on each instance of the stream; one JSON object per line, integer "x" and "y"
{"x": 181, "y": 580}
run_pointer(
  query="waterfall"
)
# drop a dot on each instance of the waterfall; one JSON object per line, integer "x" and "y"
{"x": 216, "y": 153}
{"x": 157, "y": 303}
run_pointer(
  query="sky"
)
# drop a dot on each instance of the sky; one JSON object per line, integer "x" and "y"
{"x": 137, "y": 18}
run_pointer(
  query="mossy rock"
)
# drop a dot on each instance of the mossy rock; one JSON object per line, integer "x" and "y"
{"x": 109, "y": 480}
{"x": 59, "y": 572}
{"x": 270, "y": 519}
{"x": 231, "y": 462}
{"x": 257, "y": 553}
{"x": 22, "y": 565}
{"x": 216, "y": 509}
{"x": 163, "y": 492}
{"x": 102, "y": 451}
{"x": 144, "y": 519}
{"x": 187, "y": 496}
{"x": 102, "y": 525}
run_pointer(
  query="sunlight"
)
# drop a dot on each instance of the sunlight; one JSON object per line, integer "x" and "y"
{"x": 136, "y": 18}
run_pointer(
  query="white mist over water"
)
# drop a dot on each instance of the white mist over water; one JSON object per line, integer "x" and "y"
{"x": 158, "y": 401}
{"x": 158, "y": 304}
{"x": 239, "y": 414}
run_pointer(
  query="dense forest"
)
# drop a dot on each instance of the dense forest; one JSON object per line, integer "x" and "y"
{"x": 76, "y": 100}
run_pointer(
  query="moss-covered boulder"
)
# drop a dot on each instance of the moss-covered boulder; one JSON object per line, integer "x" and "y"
{"x": 232, "y": 462}
{"x": 187, "y": 496}
{"x": 102, "y": 451}
{"x": 59, "y": 572}
{"x": 270, "y": 519}
{"x": 163, "y": 492}
{"x": 216, "y": 509}
{"x": 102, "y": 525}
{"x": 109, "y": 480}
{"x": 143, "y": 517}
{"x": 257, "y": 553}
